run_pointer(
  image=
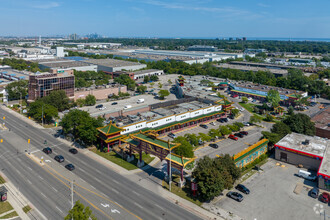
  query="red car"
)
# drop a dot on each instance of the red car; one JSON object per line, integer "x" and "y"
{"x": 325, "y": 197}
{"x": 234, "y": 96}
{"x": 233, "y": 137}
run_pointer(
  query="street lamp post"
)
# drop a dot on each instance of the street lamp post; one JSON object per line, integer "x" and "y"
{"x": 20, "y": 105}
{"x": 42, "y": 115}
{"x": 170, "y": 173}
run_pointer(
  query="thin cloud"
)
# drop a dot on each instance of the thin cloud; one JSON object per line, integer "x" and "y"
{"x": 169, "y": 5}
{"x": 263, "y": 5}
{"x": 46, "y": 5}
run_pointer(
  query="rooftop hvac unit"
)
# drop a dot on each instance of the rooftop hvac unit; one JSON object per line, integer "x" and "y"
{"x": 306, "y": 142}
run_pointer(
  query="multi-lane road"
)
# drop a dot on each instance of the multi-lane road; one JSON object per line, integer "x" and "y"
{"x": 47, "y": 185}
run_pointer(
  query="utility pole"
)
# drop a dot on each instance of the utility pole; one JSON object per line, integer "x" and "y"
{"x": 20, "y": 99}
{"x": 42, "y": 115}
{"x": 170, "y": 175}
{"x": 72, "y": 194}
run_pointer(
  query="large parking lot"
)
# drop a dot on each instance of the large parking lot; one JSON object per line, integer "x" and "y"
{"x": 272, "y": 196}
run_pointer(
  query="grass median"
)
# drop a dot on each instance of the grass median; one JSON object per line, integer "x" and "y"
{"x": 117, "y": 159}
{"x": 5, "y": 207}
{"x": 9, "y": 215}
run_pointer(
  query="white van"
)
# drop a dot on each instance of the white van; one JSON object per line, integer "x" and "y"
{"x": 306, "y": 175}
{"x": 127, "y": 107}
{"x": 140, "y": 101}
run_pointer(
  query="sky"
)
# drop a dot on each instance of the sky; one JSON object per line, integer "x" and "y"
{"x": 167, "y": 18}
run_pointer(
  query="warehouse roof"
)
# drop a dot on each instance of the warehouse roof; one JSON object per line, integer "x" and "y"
{"x": 305, "y": 144}
{"x": 322, "y": 119}
{"x": 112, "y": 62}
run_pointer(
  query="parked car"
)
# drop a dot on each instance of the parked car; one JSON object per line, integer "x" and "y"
{"x": 239, "y": 135}
{"x": 213, "y": 123}
{"x": 214, "y": 146}
{"x": 99, "y": 106}
{"x": 246, "y": 123}
{"x": 204, "y": 126}
{"x": 242, "y": 188}
{"x": 306, "y": 175}
{"x": 325, "y": 197}
{"x": 200, "y": 142}
{"x": 313, "y": 104}
{"x": 47, "y": 150}
{"x": 233, "y": 137}
{"x": 244, "y": 132}
{"x": 235, "y": 195}
{"x": 70, "y": 166}
{"x": 114, "y": 103}
{"x": 314, "y": 193}
{"x": 220, "y": 120}
{"x": 171, "y": 135}
{"x": 102, "y": 108}
{"x": 73, "y": 151}
{"x": 59, "y": 158}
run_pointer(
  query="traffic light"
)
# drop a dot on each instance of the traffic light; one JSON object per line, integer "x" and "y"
{"x": 28, "y": 141}
{"x": 1, "y": 140}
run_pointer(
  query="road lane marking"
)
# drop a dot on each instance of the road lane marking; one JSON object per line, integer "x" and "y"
{"x": 54, "y": 189}
{"x": 82, "y": 170}
{"x": 93, "y": 187}
{"x": 29, "y": 181}
{"x": 59, "y": 209}
{"x": 138, "y": 205}
{"x": 43, "y": 195}
{"x": 97, "y": 180}
{"x": 18, "y": 172}
{"x": 41, "y": 177}
{"x": 138, "y": 194}
{"x": 115, "y": 181}
{"x": 115, "y": 190}
{"x": 158, "y": 207}
{"x": 29, "y": 168}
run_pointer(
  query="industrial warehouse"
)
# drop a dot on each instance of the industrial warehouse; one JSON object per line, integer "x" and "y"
{"x": 309, "y": 152}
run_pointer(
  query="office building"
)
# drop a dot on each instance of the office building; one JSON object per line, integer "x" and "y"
{"x": 113, "y": 65}
{"x": 202, "y": 48}
{"x": 42, "y": 84}
{"x": 60, "y": 51}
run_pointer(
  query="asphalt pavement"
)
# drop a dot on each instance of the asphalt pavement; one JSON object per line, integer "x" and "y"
{"x": 48, "y": 186}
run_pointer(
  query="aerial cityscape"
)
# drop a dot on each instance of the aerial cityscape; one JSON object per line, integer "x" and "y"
{"x": 163, "y": 109}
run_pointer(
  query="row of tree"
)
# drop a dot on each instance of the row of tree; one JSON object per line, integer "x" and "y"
{"x": 20, "y": 64}
{"x": 88, "y": 78}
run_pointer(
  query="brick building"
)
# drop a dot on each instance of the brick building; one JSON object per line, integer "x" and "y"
{"x": 322, "y": 123}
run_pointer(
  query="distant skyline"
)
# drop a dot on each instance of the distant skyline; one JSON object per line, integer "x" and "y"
{"x": 167, "y": 18}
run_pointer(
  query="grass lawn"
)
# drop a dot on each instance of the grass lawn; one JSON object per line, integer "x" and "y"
{"x": 2, "y": 180}
{"x": 10, "y": 215}
{"x": 26, "y": 209}
{"x": 5, "y": 207}
{"x": 184, "y": 192}
{"x": 115, "y": 158}
{"x": 247, "y": 106}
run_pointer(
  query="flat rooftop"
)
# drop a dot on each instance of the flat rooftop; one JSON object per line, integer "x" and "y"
{"x": 263, "y": 89}
{"x": 64, "y": 64}
{"x": 21, "y": 75}
{"x": 262, "y": 65}
{"x": 325, "y": 165}
{"x": 322, "y": 119}
{"x": 146, "y": 71}
{"x": 112, "y": 62}
{"x": 252, "y": 68}
{"x": 317, "y": 146}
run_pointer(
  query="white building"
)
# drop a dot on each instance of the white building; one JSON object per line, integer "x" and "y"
{"x": 151, "y": 72}
{"x": 60, "y": 51}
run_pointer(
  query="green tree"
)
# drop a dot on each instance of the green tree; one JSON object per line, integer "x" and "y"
{"x": 154, "y": 78}
{"x": 215, "y": 175}
{"x": 213, "y": 133}
{"x": 17, "y": 89}
{"x": 254, "y": 119}
{"x": 126, "y": 80}
{"x": 204, "y": 137}
{"x": 224, "y": 130}
{"x": 81, "y": 125}
{"x": 185, "y": 149}
{"x": 235, "y": 112}
{"x": 58, "y": 99}
{"x": 38, "y": 109}
{"x": 273, "y": 97}
{"x": 90, "y": 100}
{"x": 160, "y": 85}
{"x": 169, "y": 81}
{"x": 290, "y": 110}
{"x": 80, "y": 102}
{"x": 244, "y": 99}
{"x": 79, "y": 211}
{"x": 272, "y": 137}
{"x": 269, "y": 118}
{"x": 163, "y": 93}
{"x": 233, "y": 128}
{"x": 192, "y": 139}
{"x": 281, "y": 129}
{"x": 300, "y": 123}
{"x": 141, "y": 89}
{"x": 146, "y": 79}
{"x": 239, "y": 124}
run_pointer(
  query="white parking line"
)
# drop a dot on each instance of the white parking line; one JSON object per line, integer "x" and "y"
{"x": 135, "y": 193}
{"x": 115, "y": 181}
{"x": 54, "y": 189}
{"x": 114, "y": 190}
{"x": 93, "y": 187}
{"x": 97, "y": 180}
{"x": 41, "y": 177}
{"x": 59, "y": 209}
{"x": 29, "y": 181}
{"x": 82, "y": 170}
{"x": 138, "y": 205}
{"x": 43, "y": 195}
{"x": 29, "y": 168}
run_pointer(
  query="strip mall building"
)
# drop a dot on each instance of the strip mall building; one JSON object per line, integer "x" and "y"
{"x": 311, "y": 152}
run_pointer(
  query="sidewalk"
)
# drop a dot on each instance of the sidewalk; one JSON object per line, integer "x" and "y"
{"x": 16, "y": 199}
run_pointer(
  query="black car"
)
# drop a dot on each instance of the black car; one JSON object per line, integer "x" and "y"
{"x": 204, "y": 126}
{"x": 47, "y": 150}
{"x": 214, "y": 145}
{"x": 69, "y": 166}
{"x": 239, "y": 135}
{"x": 59, "y": 158}
{"x": 235, "y": 195}
{"x": 314, "y": 193}
{"x": 244, "y": 132}
{"x": 99, "y": 106}
{"x": 73, "y": 151}
{"x": 114, "y": 103}
{"x": 242, "y": 188}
